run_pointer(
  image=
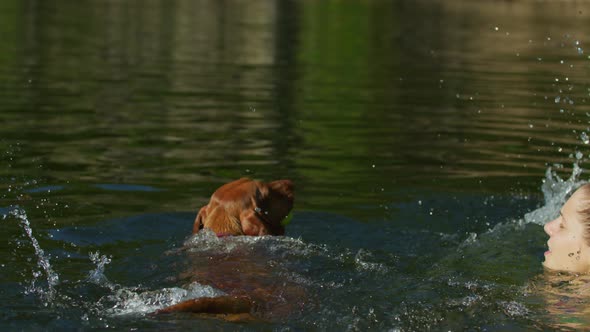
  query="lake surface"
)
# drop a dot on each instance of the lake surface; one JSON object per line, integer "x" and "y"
{"x": 429, "y": 141}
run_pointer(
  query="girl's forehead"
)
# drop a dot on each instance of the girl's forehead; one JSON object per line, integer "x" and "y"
{"x": 578, "y": 195}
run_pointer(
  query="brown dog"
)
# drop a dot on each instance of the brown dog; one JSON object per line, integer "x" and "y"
{"x": 247, "y": 207}
{"x": 242, "y": 207}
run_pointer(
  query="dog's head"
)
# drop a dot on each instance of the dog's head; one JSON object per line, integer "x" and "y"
{"x": 272, "y": 204}
{"x": 247, "y": 207}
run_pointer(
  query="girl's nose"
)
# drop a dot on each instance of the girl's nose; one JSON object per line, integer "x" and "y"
{"x": 551, "y": 227}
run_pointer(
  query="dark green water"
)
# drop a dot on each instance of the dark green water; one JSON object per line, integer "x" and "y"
{"x": 417, "y": 133}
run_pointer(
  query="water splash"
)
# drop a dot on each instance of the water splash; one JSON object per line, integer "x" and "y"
{"x": 124, "y": 300}
{"x": 555, "y": 191}
{"x": 129, "y": 301}
{"x": 97, "y": 275}
{"x": 43, "y": 262}
{"x": 206, "y": 241}
{"x": 363, "y": 259}
{"x": 514, "y": 309}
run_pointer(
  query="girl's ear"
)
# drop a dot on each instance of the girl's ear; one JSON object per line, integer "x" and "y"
{"x": 284, "y": 187}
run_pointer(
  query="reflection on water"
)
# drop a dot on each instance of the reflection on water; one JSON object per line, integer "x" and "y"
{"x": 417, "y": 133}
{"x": 566, "y": 298}
{"x": 319, "y": 91}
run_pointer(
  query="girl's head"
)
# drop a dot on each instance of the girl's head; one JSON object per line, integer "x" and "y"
{"x": 569, "y": 235}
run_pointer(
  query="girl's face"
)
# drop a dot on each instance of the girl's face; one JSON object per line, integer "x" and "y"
{"x": 568, "y": 250}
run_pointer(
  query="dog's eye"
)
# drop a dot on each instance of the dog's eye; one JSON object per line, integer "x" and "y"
{"x": 260, "y": 211}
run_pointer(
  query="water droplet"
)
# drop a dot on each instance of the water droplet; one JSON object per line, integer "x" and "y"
{"x": 557, "y": 99}
{"x": 584, "y": 137}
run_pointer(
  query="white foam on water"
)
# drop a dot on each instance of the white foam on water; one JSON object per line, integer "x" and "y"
{"x": 129, "y": 301}
{"x": 134, "y": 301}
{"x": 363, "y": 262}
{"x": 514, "y": 309}
{"x": 207, "y": 241}
{"x": 466, "y": 301}
{"x": 283, "y": 248}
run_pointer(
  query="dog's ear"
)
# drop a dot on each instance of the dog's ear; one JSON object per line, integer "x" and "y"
{"x": 270, "y": 204}
{"x": 284, "y": 187}
{"x": 198, "y": 225}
